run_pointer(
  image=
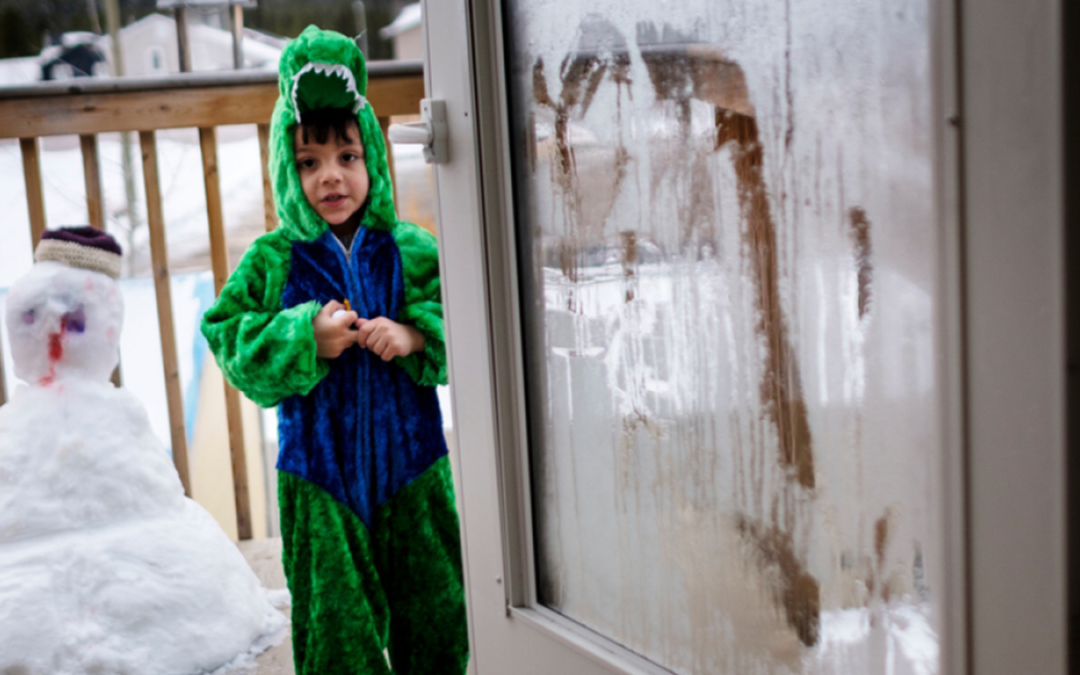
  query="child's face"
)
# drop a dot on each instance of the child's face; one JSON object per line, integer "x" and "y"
{"x": 333, "y": 174}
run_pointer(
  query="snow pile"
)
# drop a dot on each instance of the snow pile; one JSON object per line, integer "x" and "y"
{"x": 899, "y": 634}
{"x": 105, "y": 566}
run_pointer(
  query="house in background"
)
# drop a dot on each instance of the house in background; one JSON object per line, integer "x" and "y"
{"x": 149, "y": 47}
{"x": 407, "y": 33}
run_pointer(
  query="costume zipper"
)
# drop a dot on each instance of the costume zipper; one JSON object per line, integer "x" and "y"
{"x": 352, "y": 287}
{"x": 347, "y": 252}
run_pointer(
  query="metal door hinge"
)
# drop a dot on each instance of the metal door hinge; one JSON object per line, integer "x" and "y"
{"x": 431, "y": 131}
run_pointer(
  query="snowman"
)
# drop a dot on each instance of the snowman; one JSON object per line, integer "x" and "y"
{"x": 105, "y": 566}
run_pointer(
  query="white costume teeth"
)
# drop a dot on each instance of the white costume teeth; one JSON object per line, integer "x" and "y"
{"x": 335, "y": 69}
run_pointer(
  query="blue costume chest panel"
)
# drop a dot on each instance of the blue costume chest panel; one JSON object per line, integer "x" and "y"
{"x": 366, "y": 430}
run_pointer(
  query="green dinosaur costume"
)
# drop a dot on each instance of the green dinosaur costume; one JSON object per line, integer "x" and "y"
{"x": 369, "y": 526}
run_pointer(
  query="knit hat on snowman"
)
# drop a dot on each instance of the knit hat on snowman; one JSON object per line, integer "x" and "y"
{"x": 82, "y": 246}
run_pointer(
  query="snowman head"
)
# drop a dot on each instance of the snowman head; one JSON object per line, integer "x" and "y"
{"x": 64, "y": 316}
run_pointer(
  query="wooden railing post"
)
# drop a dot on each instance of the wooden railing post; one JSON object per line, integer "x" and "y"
{"x": 384, "y": 124}
{"x": 92, "y": 177}
{"x": 219, "y": 260}
{"x": 269, "y": 211}
{"x": 159, "y": 256}
{"x": 95, "y": 203}
{"x": 35, "y": 194}
{"x": 35, "y": 202}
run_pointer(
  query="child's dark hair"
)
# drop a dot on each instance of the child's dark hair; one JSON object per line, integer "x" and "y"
{"x": 322, "y": 121}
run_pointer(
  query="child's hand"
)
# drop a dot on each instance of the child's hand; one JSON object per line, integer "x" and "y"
{"x": 388, "y": 338}
{"x": 333, "y": 335}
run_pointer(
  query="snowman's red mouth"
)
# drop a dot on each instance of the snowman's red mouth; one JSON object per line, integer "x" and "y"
{"x": 56, "y": 351}
{"x": 56, "y": 348}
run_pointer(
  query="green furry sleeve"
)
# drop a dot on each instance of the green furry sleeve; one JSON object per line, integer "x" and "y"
{"x": 423, "y": 303}
{"x": 265, "y": 351}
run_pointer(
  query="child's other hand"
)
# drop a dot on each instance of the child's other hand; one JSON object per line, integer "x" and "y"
{"x": 388, "y": 338}
{"x": 333, "y": 335}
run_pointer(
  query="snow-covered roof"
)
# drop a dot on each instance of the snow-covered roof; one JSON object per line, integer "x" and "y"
{"x": 19, "y": 70}
{"x": 409, "y": 18}
{"x": 254, "y": 51}
{"x": 50, "y": 53}
{"x": 78, "y": 37}
{"x": 169, "y": 4}
{"x": 265, "y": 38}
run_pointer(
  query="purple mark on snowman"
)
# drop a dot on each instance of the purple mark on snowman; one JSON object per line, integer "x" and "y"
{"x": 28, "y": 317}
{"x": 75, "y": 322}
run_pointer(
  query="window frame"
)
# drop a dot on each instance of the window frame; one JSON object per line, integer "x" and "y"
{"x": 991, "y": 213}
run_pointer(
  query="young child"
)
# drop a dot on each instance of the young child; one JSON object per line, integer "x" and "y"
{"x": 336, "y": 317}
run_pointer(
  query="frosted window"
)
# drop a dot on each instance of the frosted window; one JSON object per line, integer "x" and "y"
{"x": 727, "y": 244}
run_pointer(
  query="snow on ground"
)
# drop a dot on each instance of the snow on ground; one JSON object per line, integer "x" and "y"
{"x": 902, "y": 632}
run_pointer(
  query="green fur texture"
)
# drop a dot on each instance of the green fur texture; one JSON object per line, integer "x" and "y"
{"x": 266, "y": 352}
{"x": 418, "y": 554}
{"x": 269, "y": 354}
{"x": 356, "y": 593}
{"x": 296, "y": 214}
{"x": 419, "y": 249}
{"x": 340, "y": 614}
{"x": 422, "y": 308}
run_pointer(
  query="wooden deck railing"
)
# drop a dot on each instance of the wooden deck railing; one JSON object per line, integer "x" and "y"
{"x": 201, "y": 100}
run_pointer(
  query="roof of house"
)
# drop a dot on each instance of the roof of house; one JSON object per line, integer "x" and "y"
{"x": 19, "y": 70}
{"x": 169, "y": 4}
{"x": 410, "y": 17}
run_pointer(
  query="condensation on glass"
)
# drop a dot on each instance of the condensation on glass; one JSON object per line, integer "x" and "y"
{"x": 727, "y": 245}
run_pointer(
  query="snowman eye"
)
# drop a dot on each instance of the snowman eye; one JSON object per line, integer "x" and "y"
{"x": 28, "y": 317}
{"x": 74, "y": 322}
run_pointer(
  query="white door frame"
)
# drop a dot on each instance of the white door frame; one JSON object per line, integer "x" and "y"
{"x": 507, "y": 633}
{"x": 1014, "y": 336}
{"x": 998, "y": 130}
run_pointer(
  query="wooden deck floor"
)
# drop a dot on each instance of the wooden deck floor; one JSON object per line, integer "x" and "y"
{"x": 264, "y": 556}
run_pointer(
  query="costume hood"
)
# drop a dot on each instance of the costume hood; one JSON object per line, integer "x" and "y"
{"x": 324, "y": 69}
